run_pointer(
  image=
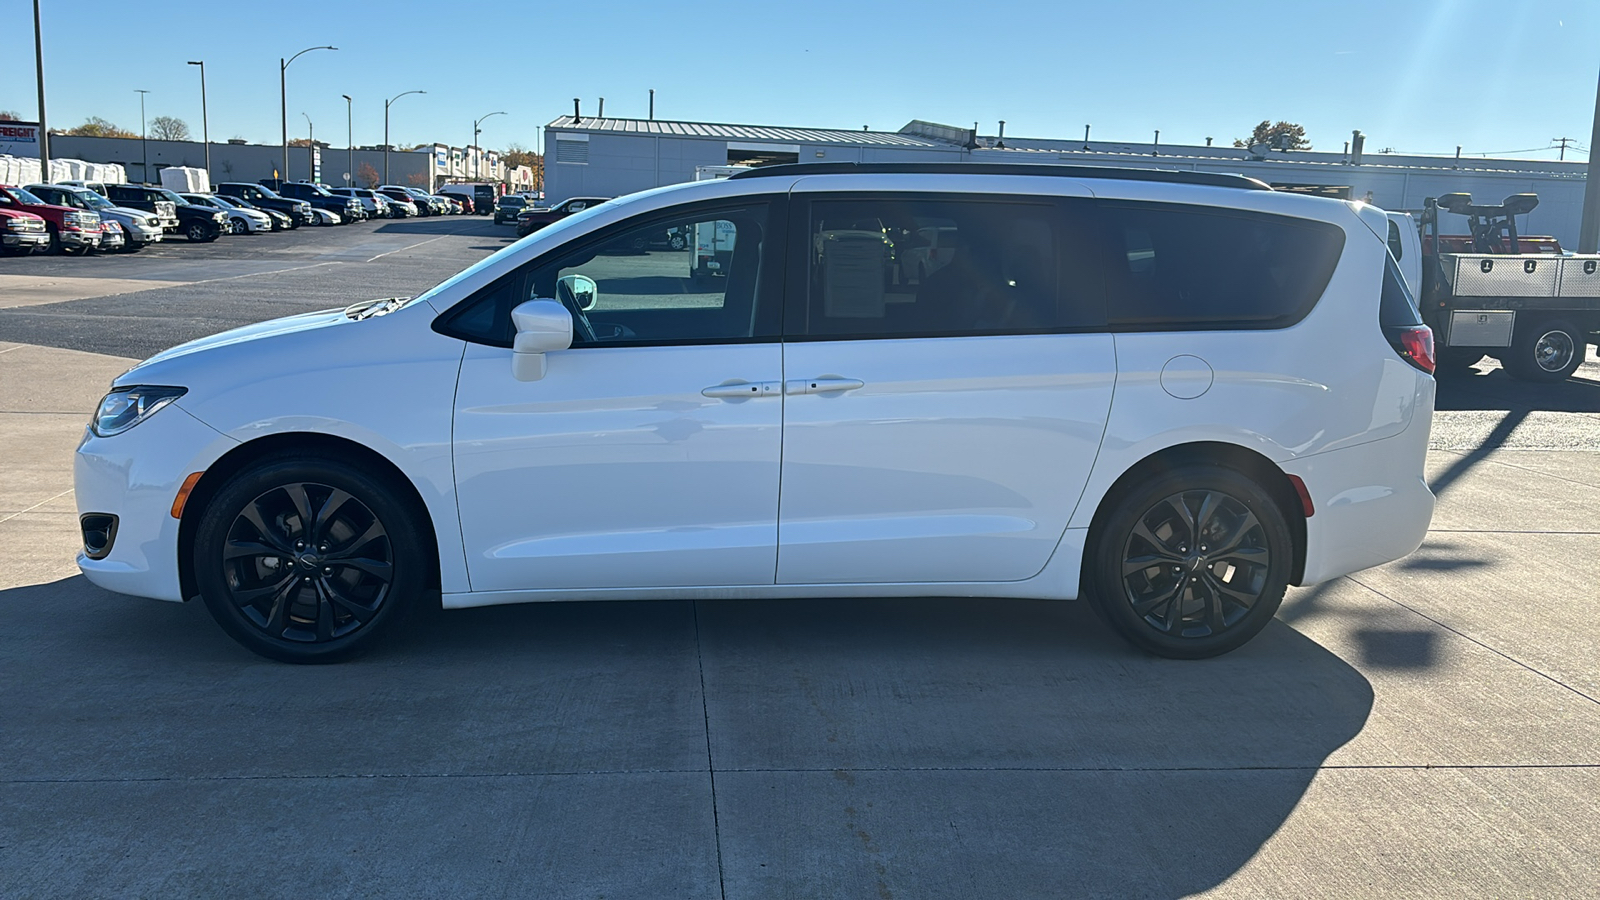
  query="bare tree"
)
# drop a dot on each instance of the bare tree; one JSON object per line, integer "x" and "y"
{"x": 169, "y": 128}
{"x": 10, "y": 115}
{"x": 367, "y": 176}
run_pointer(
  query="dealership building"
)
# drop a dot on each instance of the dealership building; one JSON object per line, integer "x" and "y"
{"x": 605, "y": 157}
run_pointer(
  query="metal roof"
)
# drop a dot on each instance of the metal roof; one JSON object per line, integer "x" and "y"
{"x": 768, "y": 133}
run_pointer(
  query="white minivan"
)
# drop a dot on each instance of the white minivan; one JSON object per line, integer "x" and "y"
{"x": 1173, "y": 393}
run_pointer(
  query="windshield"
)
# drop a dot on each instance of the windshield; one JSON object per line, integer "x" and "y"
{"x": 319, "y": 190}
{"x": 268, "y": 192}
{"x": 511, "y": 201}
{"x": 26, "y": 197}
{"x": 92, "y": 200}
{"x": 169, "y": 195}
{"x": 223, "y": 202}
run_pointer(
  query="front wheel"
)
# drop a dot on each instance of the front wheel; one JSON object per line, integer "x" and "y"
{"x": 199, "y": 233}
{"x": 1190, "y": 564}
{"x": 308, "y": 560}
{"x": 1548, "y": 351}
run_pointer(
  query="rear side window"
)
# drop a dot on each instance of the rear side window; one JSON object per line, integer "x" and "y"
{"x": 1397, "y": 308}
{"x": 1193, "y": 268}
{"x": 900, "y": 266}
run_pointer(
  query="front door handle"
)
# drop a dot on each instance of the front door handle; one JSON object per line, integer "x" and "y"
{"x": 738, "y": 390}
{"x": 826, "y": 385}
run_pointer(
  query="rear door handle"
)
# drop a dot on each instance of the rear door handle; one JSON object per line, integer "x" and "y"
{"x": 826, "y": 385}
{"x": 738, "y": 390}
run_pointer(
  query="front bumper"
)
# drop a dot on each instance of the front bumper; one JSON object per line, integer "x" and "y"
{"x": 135, "y": 476}
{"x": 79, "y": 238}
{"x": 30, "y": 239}
{"x": 145, "y": 234}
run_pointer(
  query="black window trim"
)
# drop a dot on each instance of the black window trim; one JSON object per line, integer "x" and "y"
{"x": 798, "y": 280}
{"x": 1109, "y": 243}
{"x": 770, "y": 282}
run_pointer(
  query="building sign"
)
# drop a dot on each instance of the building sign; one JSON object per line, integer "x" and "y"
{"x": 316, "y": 164}
{"x": 19, "y": 139}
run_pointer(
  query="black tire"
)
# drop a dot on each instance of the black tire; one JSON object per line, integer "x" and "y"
{"x": 55, "y": 246}
{"x": 1229, "y": 595}
{"x": 200, "y": 233}
{"x": 1548, "y": 351}
{"x": 313, "y": 595}
{"x": 677, "y": 242}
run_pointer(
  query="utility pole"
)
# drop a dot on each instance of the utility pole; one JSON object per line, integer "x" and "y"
{"x": 1563, "y": 142}
{"x": 44, "y": 132}
{"x": 144, "y": 148}
{"x": 652, "y": 104}
{"x": 1589, "y": 231}
{"x": 205, "y": 127}
{"x": 311, "y": 149}
{"x": 479, "y": 154}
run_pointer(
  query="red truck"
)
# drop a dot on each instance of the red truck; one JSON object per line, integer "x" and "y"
{"x": 67, "y": 230}
{"x": 21, "y": 232}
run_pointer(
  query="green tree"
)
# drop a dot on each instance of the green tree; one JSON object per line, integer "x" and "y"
{"x": 95, "y": 126}
{"x": 518, "y": 155}
{"x": 1282, "y": 136}
{"x": 169, "y": 128}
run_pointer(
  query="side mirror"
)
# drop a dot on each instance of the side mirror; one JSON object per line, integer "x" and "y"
{"x": 581, "y": 288}
{"x": 542, "y": 326}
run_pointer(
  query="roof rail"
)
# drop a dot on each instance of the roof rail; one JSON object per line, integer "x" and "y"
{"x": 1212, "y": 179}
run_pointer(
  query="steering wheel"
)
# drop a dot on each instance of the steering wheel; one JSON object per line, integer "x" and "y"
{"x": 580, "y": 319}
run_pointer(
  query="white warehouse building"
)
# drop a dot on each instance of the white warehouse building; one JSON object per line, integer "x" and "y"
{"x": 605, "y": 157}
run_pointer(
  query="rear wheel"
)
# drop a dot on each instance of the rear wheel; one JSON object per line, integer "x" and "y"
{"x": 1546, "y": 351}
{"x": 1192, "y": 563}
{"x": 308, "y": 560}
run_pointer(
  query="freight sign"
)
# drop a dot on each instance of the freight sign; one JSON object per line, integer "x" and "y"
{"x": 19, "y": 138}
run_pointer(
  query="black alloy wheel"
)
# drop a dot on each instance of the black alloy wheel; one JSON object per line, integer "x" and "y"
{"x": 1191, "y": 564}
{"x": 307, "y": 561}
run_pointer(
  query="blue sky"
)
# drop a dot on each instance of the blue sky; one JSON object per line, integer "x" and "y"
{"x": 1400, "y": 70}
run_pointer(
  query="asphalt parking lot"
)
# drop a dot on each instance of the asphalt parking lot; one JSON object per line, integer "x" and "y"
{"x": 1430, "y": 728}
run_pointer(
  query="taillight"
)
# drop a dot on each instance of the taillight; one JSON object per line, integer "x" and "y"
{"x": 1415, "y": 343}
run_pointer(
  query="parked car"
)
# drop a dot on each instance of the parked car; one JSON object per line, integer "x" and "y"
{"x": 279, "y": 221}
{"x": 1042, "y": 417}
{"x": 112, "y": 237}
{"x": 371, "y": 204}
{"x": 319, "y": 198}
{"x": 139, "y": 228}
{"x": 463, "y": 200}
{"x": 241, "y": 220}
{"x": 481, "y": 194}
{"x": 507, "y": 208}
{"x": 148, "y": 199}
{"x": 401, "y": 195}
{"x": 531, "y": 220}
{"x": 96, "y": 186}
{"x": 68, "y": 230}
{"x": 298, "y": 211}
{"x": 400, "y": 203}
{"x": 200, "y": 224}
{"x": 326, "y": 217}
{"x": 21, "y": 232}
{"x": 458, "y": 204}
{"x": 426, "y": 203}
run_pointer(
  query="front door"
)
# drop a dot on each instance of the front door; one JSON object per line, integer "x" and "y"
{"x": 947, "y": 384}
{"x": 648, "y": 454}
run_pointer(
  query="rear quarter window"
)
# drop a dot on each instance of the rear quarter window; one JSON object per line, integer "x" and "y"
{"x": 1188, "y": 268}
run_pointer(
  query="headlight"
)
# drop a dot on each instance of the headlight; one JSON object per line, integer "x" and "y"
{"x": 126, "y": 407}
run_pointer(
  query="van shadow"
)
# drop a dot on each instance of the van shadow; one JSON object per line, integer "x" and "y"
{"x": 1023, "y": 725}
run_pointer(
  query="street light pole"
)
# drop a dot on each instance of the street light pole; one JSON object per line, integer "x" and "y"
{"x": 205, "y": 127}
{"x": 44, "y": 132}
{"x": 349, "y": 143}
{"x": 386, "y": 104}
{"x": 283, "y": 100}
{"x": 311, "y": 149}
{"x": 144, "y": 148}
{"x": 479, "y": 154}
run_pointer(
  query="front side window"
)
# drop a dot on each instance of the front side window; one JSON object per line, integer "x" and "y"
{"x": 1175, "y": 267}
{"x": 902, "y": 266}
{"x": 707, "y": 276}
